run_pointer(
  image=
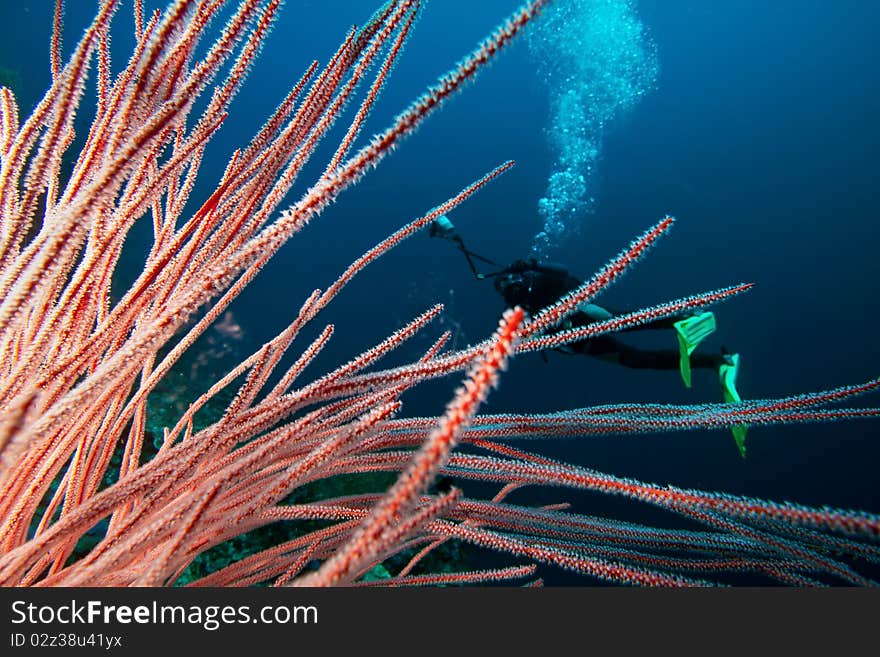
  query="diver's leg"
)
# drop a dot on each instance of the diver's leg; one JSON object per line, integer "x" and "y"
{"x": 614, "y": 350}
{"x": 598, "y": 314}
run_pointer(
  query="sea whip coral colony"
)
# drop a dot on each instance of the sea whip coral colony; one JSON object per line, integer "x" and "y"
{"x": 77, "y": 367}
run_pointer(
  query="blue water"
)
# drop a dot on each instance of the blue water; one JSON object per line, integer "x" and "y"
{"x": 760, "y": 137}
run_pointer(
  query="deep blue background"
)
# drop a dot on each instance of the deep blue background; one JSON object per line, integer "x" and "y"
{"x": 761, "y": 138}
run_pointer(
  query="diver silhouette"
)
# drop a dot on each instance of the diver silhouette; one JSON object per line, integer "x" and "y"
{"x": 534, "y": 285}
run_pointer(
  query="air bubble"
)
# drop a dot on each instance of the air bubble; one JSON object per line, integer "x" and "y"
{"x": 597, "y": 61}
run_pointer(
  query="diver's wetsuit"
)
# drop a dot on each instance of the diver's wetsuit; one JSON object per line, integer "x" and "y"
{"x": 534, "y": 286}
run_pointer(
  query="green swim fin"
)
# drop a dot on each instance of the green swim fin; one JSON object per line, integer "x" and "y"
{"x": 691, "y": 332}
{"x": 727, "y": 374}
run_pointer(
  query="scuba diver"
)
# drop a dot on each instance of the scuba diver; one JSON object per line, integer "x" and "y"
{"x": 534, "y": 285}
